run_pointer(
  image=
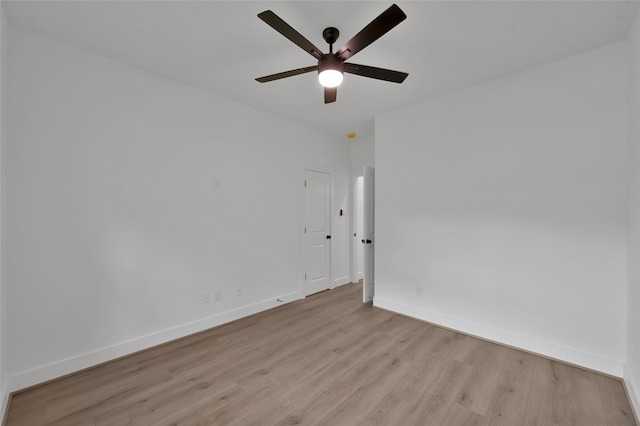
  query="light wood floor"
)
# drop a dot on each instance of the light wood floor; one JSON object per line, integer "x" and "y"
{"x": 327, "y": 360}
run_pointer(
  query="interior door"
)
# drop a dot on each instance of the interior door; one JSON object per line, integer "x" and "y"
{"x": 317, "y": 231}
{"x": 359, "y": 230}
{"x": 368, "y": 240}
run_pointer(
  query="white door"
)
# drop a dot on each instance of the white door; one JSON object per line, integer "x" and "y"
{"x": 359, "y": 229}
{"x": 317, "y": 231}
{"x": 368, "y": 236}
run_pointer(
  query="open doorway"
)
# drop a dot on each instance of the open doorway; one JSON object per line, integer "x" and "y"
{"x": 363, "y": 231}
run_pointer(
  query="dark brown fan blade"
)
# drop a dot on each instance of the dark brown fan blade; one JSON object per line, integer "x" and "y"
{"x": 275, "y": 22}
{"x": 330, "y": 94}
{"x": 374, "y": 72}
{"x": 286, "y": 74}
{"x": 376, "y": 29}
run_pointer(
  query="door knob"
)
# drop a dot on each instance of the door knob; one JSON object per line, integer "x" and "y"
{"x": 328, "y": 237}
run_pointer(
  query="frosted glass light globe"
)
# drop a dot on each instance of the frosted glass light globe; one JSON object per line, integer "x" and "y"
{"x": 330, "y": 78}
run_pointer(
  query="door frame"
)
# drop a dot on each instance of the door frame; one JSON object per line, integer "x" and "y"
{"x": 354, "y": 219}
{"x": 302, "y": 242}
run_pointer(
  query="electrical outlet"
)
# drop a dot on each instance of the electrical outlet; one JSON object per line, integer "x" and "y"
{"x": 206, "y": 298}
{"x": 217, "y": 296}
{"x": 239, "y": 291}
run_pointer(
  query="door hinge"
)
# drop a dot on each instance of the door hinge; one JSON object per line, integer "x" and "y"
{"x": 305, "y": 229}
{"x": 305, "y": 277}
{"x": 305, "y": 183}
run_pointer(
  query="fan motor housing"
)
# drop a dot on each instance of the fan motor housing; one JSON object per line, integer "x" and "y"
{"x": 330, "y": 62}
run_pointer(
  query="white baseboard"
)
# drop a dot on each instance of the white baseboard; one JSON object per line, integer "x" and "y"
{"x": 61, "y": 368}
{"x": 341, "y": 281}
{"x": 547, "y": 349}
{"x": 633, "y": 389}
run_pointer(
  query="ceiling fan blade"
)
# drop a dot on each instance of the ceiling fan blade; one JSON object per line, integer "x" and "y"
{"x": 330, "y": 94}
{"x": 374, "y": 72}
{"x": 376, "y": 29}
{"x": 286, "y": 74}
{"x": 275, "y": 22}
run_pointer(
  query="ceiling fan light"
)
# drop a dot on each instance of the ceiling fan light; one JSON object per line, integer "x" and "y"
{"x": 330, "y": 78}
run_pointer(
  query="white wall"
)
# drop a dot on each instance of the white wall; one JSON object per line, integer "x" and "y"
{"x": 4, "y": 394}
{"x": 507, "y": 205}
{"x": 129, "y": 195}
{"x": 362, "y": 153}
{"x": 632, "y": 368}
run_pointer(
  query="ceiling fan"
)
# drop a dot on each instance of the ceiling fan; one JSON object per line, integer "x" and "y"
{"x": 331, "y": 66}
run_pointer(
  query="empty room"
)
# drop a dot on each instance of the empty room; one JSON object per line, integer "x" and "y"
{"x": 314, "y": 212}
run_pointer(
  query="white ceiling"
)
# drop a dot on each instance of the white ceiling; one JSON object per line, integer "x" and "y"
{"x": 221, "y": 46}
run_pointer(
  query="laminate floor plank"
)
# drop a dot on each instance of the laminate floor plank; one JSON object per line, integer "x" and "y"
{"x": 563, "y": 395}
{"x": 383, "y": 376}
{"x": 460, "y": 415}
{"x": 326, "y": 395}
{"x": 108, "y": 394}
{"x": 432, "y": 359}
{"x": 511, "y": 395}
{"x": 308, "y": 384}
{"x": 35, "y": 416}
{"x": 185, "y": 403}
{"x": 261, "y": 410}
{"x": 385, "y": 412}
{"x": 326, "y": 360}
{"x": 118, "y": 420}
{"x": 488, "y": 362}
{"x": 442, "y": 395}
{"x": 614, "y": 401}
